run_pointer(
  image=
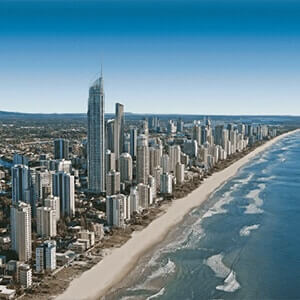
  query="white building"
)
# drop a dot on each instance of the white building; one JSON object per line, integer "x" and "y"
{"x": 142, "y": 164}
{"x": 20, "y": 218}
{"x": 46, "y": 222}
{"x": 174, "y": 154}
{"x": 179, "y": 173}
{"x": 25, "y": 275}
{"x": 53, "y": 203}
{"x": 125, "y": 167}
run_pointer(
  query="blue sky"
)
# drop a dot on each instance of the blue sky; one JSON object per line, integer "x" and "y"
{"x": 171, "y": 56}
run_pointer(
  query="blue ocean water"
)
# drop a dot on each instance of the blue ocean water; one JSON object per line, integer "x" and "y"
{"x": 244, "y": 243}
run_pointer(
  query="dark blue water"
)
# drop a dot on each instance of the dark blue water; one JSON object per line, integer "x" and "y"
{"x": 244, "y": 243}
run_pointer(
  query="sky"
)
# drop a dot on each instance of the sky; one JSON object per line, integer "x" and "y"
{"x": 173, "y": 56}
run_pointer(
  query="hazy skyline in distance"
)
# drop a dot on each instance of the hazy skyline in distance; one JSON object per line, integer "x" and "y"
{"x": 189, "y": 57}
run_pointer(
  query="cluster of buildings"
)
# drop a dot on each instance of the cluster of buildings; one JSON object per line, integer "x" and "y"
{"x": 130, "y": 167}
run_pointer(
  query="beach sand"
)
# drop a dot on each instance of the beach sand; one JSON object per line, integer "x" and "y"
{"x": 95, "y": 282}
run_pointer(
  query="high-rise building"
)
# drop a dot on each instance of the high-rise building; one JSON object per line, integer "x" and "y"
{"x": 179, "y": 173}
{"x": 110, "y": 135}
{"x": 110, "y": 161}
{"x": 43, "y": 183}
{"x": 112, "y": 183}
{"x": 46, "y": 256}
{"x": 175, "y": 155}
{"x": 20, "y": 219}
{"x": 25, "y": 275}
{"x": 19, "y": 159}
{"x": 166, "y": 183}
{"x": 54, "y": 203}
{"x": 197, "y": 134}
{"x": 46, "y": 222}
{"x": 144, "y": 195}
{"x": 134, "y": 200}
{"x": 133, "y": 142}
{"x": 142, "y": 164}
{"x": 115, "y": 210}
{"x": 96, "y": 138}
{"x": 165, "y": 163}
{"x": 119, "y": 130}
{"x": 61, "y": 149}
{"x": 21, "y": 184}
{"x": 126, "y": 167}
{"x": 63, "y": 187}
{"x": 155, "y": 153}
{"x": 219, "y": 134}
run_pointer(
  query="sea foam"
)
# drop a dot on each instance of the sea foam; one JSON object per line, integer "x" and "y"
{"x": 246, "y": 231}
{"x": 254, "y": 208}
{"x": 222, "y": 271}
{"x": 160, "y": 293}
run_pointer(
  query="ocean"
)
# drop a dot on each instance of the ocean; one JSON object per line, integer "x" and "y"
{"x": 243, "y": 243}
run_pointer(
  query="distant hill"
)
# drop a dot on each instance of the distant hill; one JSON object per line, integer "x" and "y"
{"x": 132, "y": 116}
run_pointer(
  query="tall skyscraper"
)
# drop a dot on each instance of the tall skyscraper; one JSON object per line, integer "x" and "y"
{"x": 61, "y": 149}
{"x": 133, "y": 142}
{"x": 96, "y": 138}
{"x": 174, "y": 154}
{"x": 20, "y": 219}
{"x": 119, "y": 130}
{"x": 63, "y": 187}
{"x": 21, "y": 184}
{"x": 142, "y": 164}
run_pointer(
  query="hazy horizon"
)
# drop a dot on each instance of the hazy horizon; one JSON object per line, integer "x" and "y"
{"x": 195, "y": 57}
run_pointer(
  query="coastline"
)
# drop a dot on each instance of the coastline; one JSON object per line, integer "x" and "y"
{"x": 95, "y": 282}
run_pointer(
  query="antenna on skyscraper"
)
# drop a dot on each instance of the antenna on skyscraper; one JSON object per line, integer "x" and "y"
{"x": 101, "y": 71}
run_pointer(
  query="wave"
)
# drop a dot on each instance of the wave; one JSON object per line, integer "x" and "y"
{"x": 246, "y": 231}
{"x": 254, "y": 208}
{"x": 163, "y": 271}
{"x": 215, "y": 262}
{"x": 230, "y": 284}
{"x": 227, "y": 198}
{"x": 160, "y": 293}
{"x": 222, "y": 271}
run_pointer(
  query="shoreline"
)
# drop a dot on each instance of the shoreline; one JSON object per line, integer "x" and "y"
{"x": 96, "y": 282}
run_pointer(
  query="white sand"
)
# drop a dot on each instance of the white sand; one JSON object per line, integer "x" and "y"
{"x": 95, "y": 282}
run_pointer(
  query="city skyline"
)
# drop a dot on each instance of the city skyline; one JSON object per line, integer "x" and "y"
{"x": 219, "y": 58}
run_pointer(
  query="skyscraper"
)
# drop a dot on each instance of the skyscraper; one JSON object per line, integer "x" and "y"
{"x": 20, "y": 219}
{"x": 126, "y": 167}
{"x": 46, "y": 222}
{"x": 96, "y": 138}
{"x": 142, "y": 165}
{"x": 119, "y": 130}
{"x": 63, "y": 187}
{"x": 133, "y": 142}
{"x": 20, "y": 183}
{"x": 61, "y": 149}
{"x": 112, "y": 183}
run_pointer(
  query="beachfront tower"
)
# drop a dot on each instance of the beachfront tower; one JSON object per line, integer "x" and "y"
{"x": 96, "y": 136}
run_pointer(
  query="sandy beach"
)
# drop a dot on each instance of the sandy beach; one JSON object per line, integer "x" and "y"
{"x": 111, "y": 270}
